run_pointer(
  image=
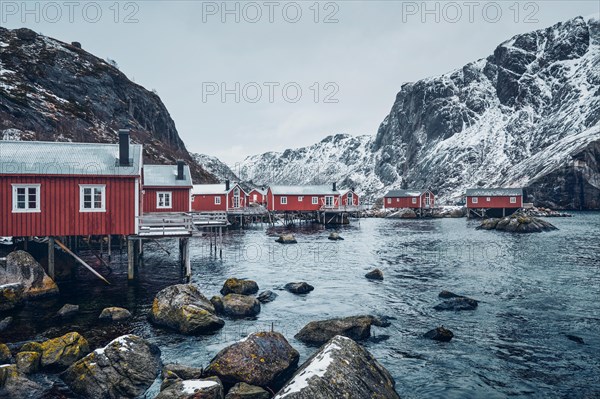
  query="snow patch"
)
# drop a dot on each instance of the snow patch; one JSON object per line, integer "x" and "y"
{"x": 191, "y": 386}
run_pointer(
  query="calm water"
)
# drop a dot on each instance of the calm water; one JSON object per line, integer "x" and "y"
{"x": 533, "y": 289}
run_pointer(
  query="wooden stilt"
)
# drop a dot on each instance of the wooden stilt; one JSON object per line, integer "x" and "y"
{"x": 109, "y": 248}
{"x": 78, "y": 259}
{"x": 99, "y": 257}
{"x": 51, "y": 271}
{"x": 221, "y": 242}
{"x": 130, "y": 260}
{"x": 101, "y": 246}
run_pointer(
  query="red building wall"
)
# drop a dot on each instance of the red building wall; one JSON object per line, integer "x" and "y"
{"x": 294, "y": 204}
{"x": 59, "y": 205}
{"x": 206, "y": 203}
{"x": 242, "y": 199}
{"x": 260, "y": 198}
{"x": 407, "y": 202}
{"x": 180, "y": 199}
{"x": 354, "y": 201}
{"x": 495, "y": 202}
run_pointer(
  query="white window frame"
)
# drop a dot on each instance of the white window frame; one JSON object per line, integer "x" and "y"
{"x": 488, "y": 199}
{"x": 475, "y": 200}
{"x": 166, "y": 194}
{"x": 254, "y": 197}
{"x": 349, "y": 199}
{"x": 513, "y": 200}
{"x": 300, "y": 198}
{"x": 15, "y": 188}
{"x": 82, "y": 188}
{"x": 414, "y": 200}
{"x": 315, "y": 200}
{"x": 329, "y": 201}
{"x": 283, "y": 200}
{"x": 389, "y": 200}
{"x": 217, "y": 200}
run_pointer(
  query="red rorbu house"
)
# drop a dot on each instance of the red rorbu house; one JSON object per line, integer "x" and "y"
{"x": 258, "y": 196}
{"x": 349, "y": 198}
{"x": 483, "y": 202}
{"x": 302, "y": 198}
{"x": 413, "y": 199}
{"x": 51, "y": 189}
{"x": 167, "y": 188}
{"x": 218, "y": 197}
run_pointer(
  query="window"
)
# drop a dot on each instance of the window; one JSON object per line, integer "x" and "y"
{"x": 254, "y": 197}
{"x": 488, "y": 199}
{"x": 300, "y": 198}
{"x": 397, "y": 199}
{"x": 513, "y": 200}
{"x": 92, "y": 198}
{"x": 283, "y": 200}
{"x": 163, "y": 200}
{"x": 217, "y": 200}
{"x": 315, "y": 200}
{"x": 349, "y": 198}
{"x": 414, "y": 200}
{"x": 389, "y": 200}
{"x": 26, "y": 197}
{"x": 475, "y": 200}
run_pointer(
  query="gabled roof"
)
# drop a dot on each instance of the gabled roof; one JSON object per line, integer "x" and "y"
{"x": 166, "y": 176}
{"x": 66, "y": 158}
{"x": 346, "y": 191}
{"x": 259, "y": 190}
{"x": 405, "y": 193}
{"x": 494, "y": 192}
{"x": 303, "y": 190}
{"x": 208, "y": 189}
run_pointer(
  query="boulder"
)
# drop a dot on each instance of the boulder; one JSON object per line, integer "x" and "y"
{"x": 404, "y": 213}
{"x": 262, "y": 359}
{"x": 5, "y": 323}
{"x": 375, "y": 274}
{"x": 518, "y": 222}
{"x": 207, "y": 388}
{"x": 174, "y": 372}
{"x": 115, "y": 314}
{"x": 286, "y": 239}
{"x": 439, "y": 334}
{"x": 14, "y": 384}
{"x": 355, "y": 327}
{"x": 575, "y": 338}
{"x": 334, "y": 237}
{"x": 5, "y": 355}
{"x": 457, "y": 304}
{"x": 22, "y": 268}
{"x": 32, "y": 346}
{"x": 68, "y": 310}
{"x": 448, "y": 294}
{"x": 299, "y": 288}
{"x": 235, "y": 305}
{"x": 63, "y": 351}
{"x": 11, "y": 295}
{"x": 241, "y": 287}
{"x": 266, "y": 296}
{"x": 125, "y": 368}
{"x": 183, "y": 308}
{"x": 340, "y": 369}
{"x": 245, "y": 391}
{"x": 28, "y": 362}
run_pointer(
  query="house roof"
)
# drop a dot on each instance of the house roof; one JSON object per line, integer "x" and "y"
{"x": 405, "y": 193}
{"x": 346, "y": 191}
{"x": 166, "y": 176}
{"x": 66, "y": 158}
{"x": 259, "y": 190}
{"x": 302, "y": 190}
{"x": 494, "y": 192}
{"x": 204, "y": 189}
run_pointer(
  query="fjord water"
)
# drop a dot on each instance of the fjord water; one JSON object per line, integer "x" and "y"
{"x": 533, "y": 291}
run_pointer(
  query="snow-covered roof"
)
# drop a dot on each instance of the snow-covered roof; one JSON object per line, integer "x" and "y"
{"x": 208, "y": 189}
{"x": 259, "y": 190}
{"x": 66, "y": 158}
{"x": 494, "y": 192}
{"x": 166, "y": 176}
{"x": 346, "y": 191}
{"x": 405, "y": 193}
{"x": 302, "y": 190}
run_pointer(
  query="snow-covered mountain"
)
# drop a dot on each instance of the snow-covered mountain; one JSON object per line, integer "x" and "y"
{"x": 528, "y": 115}
{"x": 215, "y": 166}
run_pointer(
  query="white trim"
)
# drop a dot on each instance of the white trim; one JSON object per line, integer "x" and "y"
{"x": 137, "y": 205}
{"x": 283, "y": 200}
{"x": 513, "y": 200}
{"x": 414, "y": 200}
{"x": 164, "y": 194}
{"x": 300, "y": 198}
{"x": 82, "y": 187}
{"x": 315, "y": 200}
{"x": 217, "y": 200}
{"x": 475, "y": 200}
{"x": 37, "y": 208}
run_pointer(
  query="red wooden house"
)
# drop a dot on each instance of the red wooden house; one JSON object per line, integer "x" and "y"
{"x": 69, "y": 189}
{"x": 167, "y": 188}
{"x": 218, "y": 197}
{"x": 413, "y": 199}
{"x": 349, "y": 198}
{"x": 302, "y": 198}
{"x": 493, "y": 201}
{"x": 258, "y": 196}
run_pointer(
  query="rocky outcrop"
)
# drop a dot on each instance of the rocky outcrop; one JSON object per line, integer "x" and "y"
{"x": 234, "y": 305}
{"x": 374, "y": 274}
{"x": 439, "y": 334}
{"x": 286, "y": 239}
{"x": 261, "y": 359}
{"x": 63, "y": 351}
{"x": 457, "y": 303}
{"x": 207, "y": 388}
{"x": 174, "y": 372}
{"x": 22, "y": 268}
{"x": 115, "y": 314}
{"x": 266, "y": 296}
{"x": 125, "y": 368}
{"x": 5, "y": 355}
{"x": 340, "y": 369}
{"x": 241, "y": 287}
{"x": 404, "y": 213}
{"x": 182, "y": 307}
{"x": 299, "y": 288}
{"x": 14, "y": 384}
{"x": 517, "y": 223}
{"x": 335, "y": 236}
{"x": 5, "y": 323}
{"x": 245, "y": 391}
{"x": 68, "y": 310}
{"x": 355, "y": 327}
{"x": 11, "y": 295}
{"x": 28, "y": 362}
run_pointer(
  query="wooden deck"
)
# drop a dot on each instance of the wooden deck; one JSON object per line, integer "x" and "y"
{"x": 165, "y": 225}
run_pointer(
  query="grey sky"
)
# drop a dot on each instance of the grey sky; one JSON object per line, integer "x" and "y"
{"x": 182, "y": 49}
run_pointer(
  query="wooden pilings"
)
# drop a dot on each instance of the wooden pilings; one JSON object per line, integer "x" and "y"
{"x": 51, "y": 269}
{"x": 130, "y": 260}
{"x": 184, "y": 257}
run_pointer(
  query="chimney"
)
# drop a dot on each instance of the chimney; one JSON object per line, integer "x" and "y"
{"x": 227, "y": 185}
{"x": 124, "y": 147}
{"x": 180, "y": 165}
{"x": 334, "y": 186}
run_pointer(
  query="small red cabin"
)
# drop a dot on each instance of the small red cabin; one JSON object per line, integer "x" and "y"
{"x": 349, "y": 198}
{"x": 302, "y": 198}
{"x": 218, "y": 197}
{"x": 258, "y": 196}
{"x": 50, "y": 189}
{"x": 414, "y": 199}
{"x": 481, "y": 200}
{"x": 167, "y": 188}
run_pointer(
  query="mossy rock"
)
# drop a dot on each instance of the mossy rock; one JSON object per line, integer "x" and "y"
{"x": 63, "y": 351}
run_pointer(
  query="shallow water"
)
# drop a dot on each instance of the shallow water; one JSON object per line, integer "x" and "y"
{"x": 534, "y": 289}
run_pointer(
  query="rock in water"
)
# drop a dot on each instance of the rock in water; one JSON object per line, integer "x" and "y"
{"x": 340, "y": 369}
{"x": 174, "y": 372}
{"x": 5, "y": 355}
{"x": 518, "y": 222}
{"x": 68, "y": 310}
{"x": 286, "y": 239}
{"x": 439, "y": 334}
{"x": 375, "y": 274}
{"x": 334, "y": 237}
{"x": 28, "y": 362}
{"x": 266, "y": 296}
{"x": 235, "y": 305}
{"x": 22, "y": 268}
{"x": 63, "y": 351}
{"x": 14, "y": 384}
{"x": 457, "y": 304}
{"x": 575, "y": 338}
{"x": 11, "y": 295}
{"x": 241, "y": 287}
{"x": 183, "y": 308}
{"x": 448, "y": 294}
{"x": 125, "y": 368}
{"x": 299, "y": 288}
{"x": 115, "y": 314}
{"x": 5, "y": 323}
{"x": 245, "y": 391}
{"x": 404, "y": 213}
{"x": 208, "y": 388}
{"x": 355, "y": 327}
{"x": 261, "y": 359}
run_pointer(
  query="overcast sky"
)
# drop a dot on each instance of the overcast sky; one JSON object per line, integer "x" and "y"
{"x": 348, "y": 58}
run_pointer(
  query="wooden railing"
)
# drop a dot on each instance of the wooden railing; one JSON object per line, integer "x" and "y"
{"x": 165, "y": 225}
{"x": 209, "y": 219}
